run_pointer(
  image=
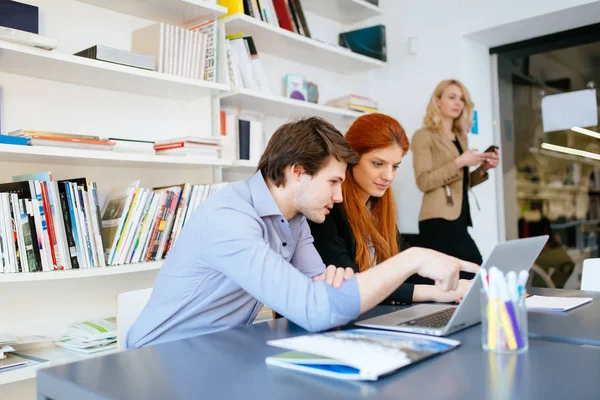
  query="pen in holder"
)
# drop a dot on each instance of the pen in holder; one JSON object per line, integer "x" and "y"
{"x": 503, "y": 312}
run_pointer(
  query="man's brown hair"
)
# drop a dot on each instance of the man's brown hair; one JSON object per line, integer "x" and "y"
{"x": 308, "y": 142}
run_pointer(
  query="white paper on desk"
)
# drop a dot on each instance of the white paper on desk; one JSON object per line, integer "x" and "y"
{"x": 547, "y": 303}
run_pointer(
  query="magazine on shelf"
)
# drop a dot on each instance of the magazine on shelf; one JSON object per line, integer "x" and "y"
{"x": 357, "y": 354}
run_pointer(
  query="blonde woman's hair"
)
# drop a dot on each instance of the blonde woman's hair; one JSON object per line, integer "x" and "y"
{"x": 433, "y": 116}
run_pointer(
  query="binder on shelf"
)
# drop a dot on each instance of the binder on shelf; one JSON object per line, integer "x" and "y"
{"x": 368, "y": 41}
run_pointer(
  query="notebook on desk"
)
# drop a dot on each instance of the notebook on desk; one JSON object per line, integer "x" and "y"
{"x": 441, "y": 319}
{"x": 357, "y": 354}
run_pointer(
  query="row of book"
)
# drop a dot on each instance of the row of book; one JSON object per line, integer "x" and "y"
{"x": 287, "y": 14}
{"x": 189, "y": 51}
{"x": 48, "y": 225}
{"x": 245, "y": 67}
{"x": 142, "y": 225}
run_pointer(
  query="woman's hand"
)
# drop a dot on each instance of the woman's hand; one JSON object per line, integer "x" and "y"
{"x": 491, "y": 160}
{"x": 470, "y": 158}
{"x": 335, "y": 276}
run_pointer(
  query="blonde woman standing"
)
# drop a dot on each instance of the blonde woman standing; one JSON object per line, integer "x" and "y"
{"x": 441, "y": 160}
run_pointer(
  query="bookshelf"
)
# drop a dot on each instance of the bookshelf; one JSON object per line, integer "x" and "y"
{"x": 281, "y": 107}
{"x": 56, "y": 66}
{"x": 243, "y": 164}
{"x": 80, "y": 273}
{"x": 175, "y": 12}
{"x": 291, "y": 46}
{"x": 343, "y": 11}
{"x": 102, "y": 158}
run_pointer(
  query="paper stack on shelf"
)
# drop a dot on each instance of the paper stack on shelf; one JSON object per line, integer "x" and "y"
{"x": 90, "y": 336}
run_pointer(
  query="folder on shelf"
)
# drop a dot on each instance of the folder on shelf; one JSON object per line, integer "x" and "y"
{"x": 368, "y": 41}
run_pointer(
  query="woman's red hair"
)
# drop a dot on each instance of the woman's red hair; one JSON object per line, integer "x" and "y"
{"x": 372, "y": 132}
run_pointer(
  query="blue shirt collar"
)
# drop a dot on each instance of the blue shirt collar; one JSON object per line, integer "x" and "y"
{"x": 263, "y": 200}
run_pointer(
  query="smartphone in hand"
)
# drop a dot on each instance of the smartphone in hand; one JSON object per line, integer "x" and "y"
{"x": 492, "y": 148}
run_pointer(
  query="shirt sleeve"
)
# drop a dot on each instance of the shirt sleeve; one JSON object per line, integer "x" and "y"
{"x": 243, "y": 255}
{"x": 306, "y": 258}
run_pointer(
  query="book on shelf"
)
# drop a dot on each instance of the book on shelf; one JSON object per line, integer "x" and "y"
{"x": 189, "y": 146}
{"x": 132, "y": 146}
{"x": 20, "y": 141}
{"x": 57, "y": 225}
{"x": 246, "y": 68}
{"x": 117, "y": 56}
{"x": 14, "y": 361}
{"x": 243, "y": 136}
{"x": 369, "y": 41}
{"x": 354, "y": 102}
{"x": 357, "y": 354}
{"x": 28, "y": 133}
{"x": 27, "y": 38}
{"x": 21, "y": 16}
{"x": 286, "y": 14}
{"x": 190, "y": 51}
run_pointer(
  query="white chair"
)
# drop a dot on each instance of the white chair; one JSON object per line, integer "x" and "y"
{"x": 590, "y": 276}
{"x": 129, "y": 307}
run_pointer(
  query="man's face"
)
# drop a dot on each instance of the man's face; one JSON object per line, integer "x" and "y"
{"x": 315, "y": 195}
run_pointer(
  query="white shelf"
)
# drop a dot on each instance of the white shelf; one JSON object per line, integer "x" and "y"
{"x": 80, "y": 273}
{"x": 245, "y": 164}
{"x": 53, "y": 65}
{"x": 281, "y": 107}
{"x": 292, "y": 46}
{"x": 55, "y": 355}
{"x": 343, "y": 11}
{"x": 175, "y": 12}
{"x": 66, "y": 155}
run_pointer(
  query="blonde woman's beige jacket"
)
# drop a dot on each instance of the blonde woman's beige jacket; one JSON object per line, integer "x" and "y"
{"x": 437, "y": 175}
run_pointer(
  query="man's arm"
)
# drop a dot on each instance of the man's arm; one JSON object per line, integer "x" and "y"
{"x": 238, "y": 250}
{"x": 376, "y": 283}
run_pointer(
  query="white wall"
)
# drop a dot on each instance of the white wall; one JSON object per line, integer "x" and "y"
{"x": 404, "y": 86}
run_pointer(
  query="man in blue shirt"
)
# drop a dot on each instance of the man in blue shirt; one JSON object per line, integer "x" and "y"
{"x": 249, "y": 244}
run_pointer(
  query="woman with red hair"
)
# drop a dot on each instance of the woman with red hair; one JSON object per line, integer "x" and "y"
{"x": 361, "y": 231}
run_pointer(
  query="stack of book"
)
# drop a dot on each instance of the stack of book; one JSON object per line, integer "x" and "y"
{"x": 59, "y": 139}
{"x": 11, "y": 360}
{"x": 56, "y": 224}
{"x": 90, "y": 336}
{"x": 142, "y": 225}
{"x": 287, "y": 14}
{"x": 189, "y": 52}
{"x": 27, "y": 38}
{"x": 194, "y": 146}
{"x": 355, "y": 103}
{"x": 245, "y": 67}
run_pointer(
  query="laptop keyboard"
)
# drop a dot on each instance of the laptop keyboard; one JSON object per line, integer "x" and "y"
{"x": 435, "y": 320}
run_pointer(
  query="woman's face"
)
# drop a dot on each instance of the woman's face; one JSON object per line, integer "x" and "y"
{"x": 452, "y": 102}
{"x": 376, "y": 170}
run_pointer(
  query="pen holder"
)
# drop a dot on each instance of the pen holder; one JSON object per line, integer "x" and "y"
{"x": 503, "y": 325}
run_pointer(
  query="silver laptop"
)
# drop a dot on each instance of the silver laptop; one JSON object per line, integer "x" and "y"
{"x": 441, "y": 319}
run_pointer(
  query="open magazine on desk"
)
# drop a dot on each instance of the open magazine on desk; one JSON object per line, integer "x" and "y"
{"x": 357, "y": 354}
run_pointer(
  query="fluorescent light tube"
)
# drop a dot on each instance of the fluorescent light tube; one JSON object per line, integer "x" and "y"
{"x": 569, "y": 150}
{"x": 586, "y": 132}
